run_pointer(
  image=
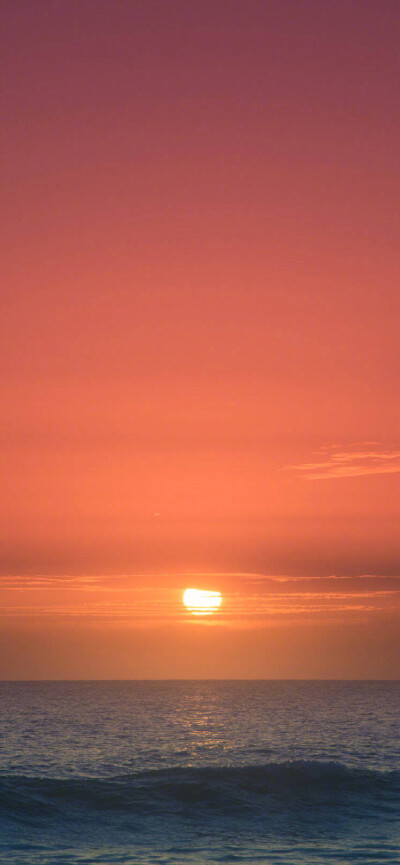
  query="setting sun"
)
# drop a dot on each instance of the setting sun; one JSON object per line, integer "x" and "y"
{"x": 200, "y": 602}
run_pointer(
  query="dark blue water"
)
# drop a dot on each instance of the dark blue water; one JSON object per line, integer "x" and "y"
{"x": 191, "y": 772}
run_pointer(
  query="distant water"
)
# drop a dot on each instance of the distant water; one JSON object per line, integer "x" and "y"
{"x": 294, "y": 773}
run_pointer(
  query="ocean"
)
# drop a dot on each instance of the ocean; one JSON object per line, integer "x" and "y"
{"x": 288, "y": 772}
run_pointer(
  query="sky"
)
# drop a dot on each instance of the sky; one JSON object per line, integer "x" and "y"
{"x": 200, "y": 338}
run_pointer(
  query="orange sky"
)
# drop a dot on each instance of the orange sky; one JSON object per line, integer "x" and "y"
{"x": 199, "y": 337}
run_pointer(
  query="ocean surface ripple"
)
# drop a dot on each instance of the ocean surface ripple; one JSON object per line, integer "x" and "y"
{"x": 199, "y": 772}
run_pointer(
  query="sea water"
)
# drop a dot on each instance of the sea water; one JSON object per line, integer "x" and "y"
{"x": 288, "y": 772}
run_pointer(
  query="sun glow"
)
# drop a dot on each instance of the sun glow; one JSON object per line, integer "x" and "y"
{"x": 201, "y": 603}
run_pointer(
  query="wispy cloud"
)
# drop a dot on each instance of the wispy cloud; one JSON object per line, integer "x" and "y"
{"x": 334, "y": 463}
{"x": 247, "y": 598}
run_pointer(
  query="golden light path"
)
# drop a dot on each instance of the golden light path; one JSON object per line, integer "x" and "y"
{"x": 201, "y": 603}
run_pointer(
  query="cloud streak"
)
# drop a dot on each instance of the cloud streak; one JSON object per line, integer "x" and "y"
{"x": 346, "y": 463}
{"x": 246, "y": 598}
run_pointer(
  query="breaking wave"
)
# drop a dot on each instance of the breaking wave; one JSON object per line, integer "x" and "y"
{"x": 308, "y": 787}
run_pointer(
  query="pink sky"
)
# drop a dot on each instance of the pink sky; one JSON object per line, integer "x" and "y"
{"x": 200, "y": 335}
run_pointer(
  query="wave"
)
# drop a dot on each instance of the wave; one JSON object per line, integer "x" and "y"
{"x": 311, "y": 789}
